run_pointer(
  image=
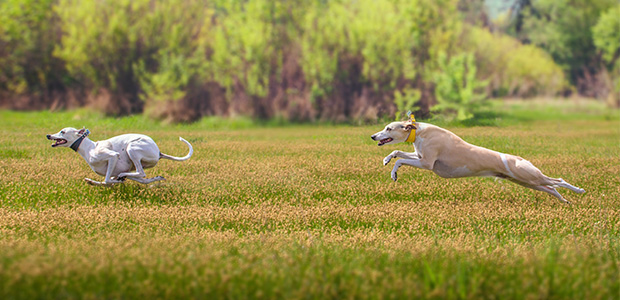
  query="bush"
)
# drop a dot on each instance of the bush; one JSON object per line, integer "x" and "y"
{"x": 606, "y": 35}
{"x": 513, "y": 69}
{"x": 563, "y": 28}
{"x": 457, "y": 90}
{"x": 133, "y": 50}
{"x": 358, "y": 53}
{"x": 29, "y": 74}
{"x": 338, "y": 60}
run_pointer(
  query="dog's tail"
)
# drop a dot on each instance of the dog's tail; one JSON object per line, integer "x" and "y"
{"x": 186, "y": 157}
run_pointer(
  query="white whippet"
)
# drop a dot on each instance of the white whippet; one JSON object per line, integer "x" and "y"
{"x": 117, "y": 158}
{"x": 448, "y": 156}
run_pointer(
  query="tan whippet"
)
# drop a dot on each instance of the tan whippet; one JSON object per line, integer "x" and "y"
{"x": 117, "y": 158}
{"x": 448, "y": 156}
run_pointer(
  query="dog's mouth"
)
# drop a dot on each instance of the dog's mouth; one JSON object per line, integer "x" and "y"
{"x": 58, "y": 142}
{"x": 384, "y": 141}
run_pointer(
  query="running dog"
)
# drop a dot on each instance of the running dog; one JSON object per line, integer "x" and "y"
{"x": 448, "y": 156}
{"x": 118, "y": 158}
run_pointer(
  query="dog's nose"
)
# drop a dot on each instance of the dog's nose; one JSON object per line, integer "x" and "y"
{"x": 48, "y": 136}
{"x": 372, "y": 137}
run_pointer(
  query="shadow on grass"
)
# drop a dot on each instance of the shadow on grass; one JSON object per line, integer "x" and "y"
{"x": 129, "y": 193}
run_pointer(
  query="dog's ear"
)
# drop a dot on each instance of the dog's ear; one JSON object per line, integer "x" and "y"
{"x": 410, "y": 126}
{"x": 82, "y": 130}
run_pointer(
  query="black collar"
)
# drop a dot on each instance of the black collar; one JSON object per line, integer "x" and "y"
{"x": 77, "y": 142}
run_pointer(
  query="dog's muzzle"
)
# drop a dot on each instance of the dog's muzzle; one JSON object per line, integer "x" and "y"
{"x": 384, "y": 141}
{"x": 57, "y": 142}
{"x": 381, "y": 142}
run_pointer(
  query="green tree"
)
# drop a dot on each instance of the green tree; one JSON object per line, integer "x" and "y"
{"x": 458, "y": 91}
{"x": 563, "y": 28}
{"x": 511, "y": 68}
{"x": 27, "y": 39}
{"x": 378, "y": 47}
{"x": 606, "y": 34}
{"x": 135, "y": 50}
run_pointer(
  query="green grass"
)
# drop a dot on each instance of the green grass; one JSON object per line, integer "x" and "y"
{"x": 302, "y": 211}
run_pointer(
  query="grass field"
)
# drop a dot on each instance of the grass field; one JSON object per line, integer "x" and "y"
{"x": 305, "y": 211}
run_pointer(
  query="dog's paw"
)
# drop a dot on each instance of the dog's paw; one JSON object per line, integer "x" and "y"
{"x": 394, "y": 176}
{"x": 158, "y": 178}
{"x": 387, "y": 160}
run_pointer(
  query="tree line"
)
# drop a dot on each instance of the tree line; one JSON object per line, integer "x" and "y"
{"x": 303, "y": 60}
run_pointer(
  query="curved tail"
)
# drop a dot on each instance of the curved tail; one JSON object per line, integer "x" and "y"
{"x": 186, "y": 157}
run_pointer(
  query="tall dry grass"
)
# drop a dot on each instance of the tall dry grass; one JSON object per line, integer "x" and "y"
{"x": 308, "y": 212}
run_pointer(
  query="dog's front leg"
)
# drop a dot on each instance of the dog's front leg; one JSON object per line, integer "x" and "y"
{"x": 112, "y": 158}
{"x": 401, "y": 154}
{"x": 416, "y": 162}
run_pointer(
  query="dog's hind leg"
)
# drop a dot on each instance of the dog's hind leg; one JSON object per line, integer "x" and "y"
{"x": 543, "y": 188}
{"x": 526, "y": 172}
{"x": 559, "y": 182}
{"x": 137, "y": 159}
{"x": 137, "y": 163}
{"x": 551, "y": 190}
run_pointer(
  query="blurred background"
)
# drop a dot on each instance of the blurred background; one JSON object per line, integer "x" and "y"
{"x": 300, "y": 61}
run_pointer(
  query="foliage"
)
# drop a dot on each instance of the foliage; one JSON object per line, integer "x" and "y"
{"x": 405, "y": 102}
{"x": 511, "y": 68}
{"x": 375, "y": 47}
{"x": 339, "y": 60}
{"x": 27, "y": 39}
{"x": 458, "y": 91}
{"x": 129, "y": 47}
{"x": 564, "y": 29}
{"x": 377, "y": 33}
{"x": 606, "y": 36}
{"x": 100, "y": 40}
{"x": 178, "y": 33}
{"x": 243, "y": 45}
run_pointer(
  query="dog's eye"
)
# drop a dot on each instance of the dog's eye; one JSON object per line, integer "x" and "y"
{"x": 388, "y": 129}
{"x": 62, "y": 132}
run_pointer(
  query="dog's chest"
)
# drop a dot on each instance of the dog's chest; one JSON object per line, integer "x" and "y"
{"x": 100, "y": 167}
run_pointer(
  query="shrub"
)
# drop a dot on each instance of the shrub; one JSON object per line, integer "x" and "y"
{"x": 373, "y": 49}
{"x": 457, "y": 89}
{"x": 405, "y": 102}
{"x": 136, "y": 50}
{"x": 563, "y": 28}
{"x": 28, "y": 71}
{"x": 606, "y": 35}
{"x": 513, "y": 69}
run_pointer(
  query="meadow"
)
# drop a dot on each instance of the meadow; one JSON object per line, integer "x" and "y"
{"x": 309, "y": 211}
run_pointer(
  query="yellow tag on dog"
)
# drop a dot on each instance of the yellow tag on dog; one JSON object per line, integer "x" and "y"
{"x": 411, "y": 137}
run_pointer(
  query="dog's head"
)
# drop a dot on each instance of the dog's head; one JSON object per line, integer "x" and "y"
{"x": 66, "y": 136}
{"x": 395, "y": 132}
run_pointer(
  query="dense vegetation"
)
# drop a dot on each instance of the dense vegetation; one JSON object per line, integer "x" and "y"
{"x": 300, "y": 212}
{"x": 302, "y": 60}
